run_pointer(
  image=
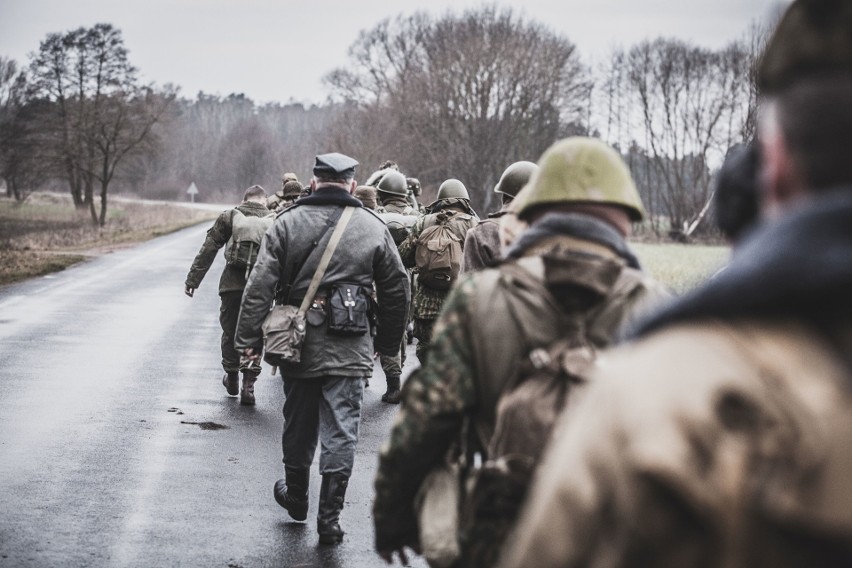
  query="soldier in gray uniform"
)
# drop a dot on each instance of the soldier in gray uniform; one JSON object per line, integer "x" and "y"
{"x": 325, "y": 389}
{"x": 400, "y": 217}
{"x": 249, "y": 216}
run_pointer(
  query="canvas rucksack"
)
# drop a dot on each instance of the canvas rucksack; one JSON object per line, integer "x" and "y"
{"x": 247, "y": 233}
{"x": 526, "y": 411}
{"x": 438, "y": 255}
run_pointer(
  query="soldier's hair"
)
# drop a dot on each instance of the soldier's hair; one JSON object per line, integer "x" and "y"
{"x": 815, "y": 118}
{"x": 254, "y": 192}
{"x": 327, "y": 179}
{"x": 389, "y": 164}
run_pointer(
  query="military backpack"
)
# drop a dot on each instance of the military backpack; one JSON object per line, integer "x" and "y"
{"x": 557, "y": 355}
{"x": 247, "y": 233}
{"x": 438, "y": 253}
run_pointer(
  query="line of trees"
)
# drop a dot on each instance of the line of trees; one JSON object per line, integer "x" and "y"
{"x": 458, "y": 95}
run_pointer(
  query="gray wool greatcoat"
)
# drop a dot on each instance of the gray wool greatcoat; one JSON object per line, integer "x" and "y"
{"x": 365, "y": 255}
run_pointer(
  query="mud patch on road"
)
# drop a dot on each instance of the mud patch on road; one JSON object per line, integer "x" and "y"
{"x": 206, "y": 425}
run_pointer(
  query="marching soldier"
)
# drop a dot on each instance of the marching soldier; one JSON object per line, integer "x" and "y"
{"x": 400, "y": 217}
{"x": 482, "y": 243}
{"x": 324, "y": 391}
{"x": 246, "y": 223}
{"x": 452, "y": 210}
{"x": 580, "y": 210}
{"x": 285, "y": 194}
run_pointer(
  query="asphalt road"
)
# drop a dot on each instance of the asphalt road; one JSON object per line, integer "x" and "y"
{"x": 108, "y": 374}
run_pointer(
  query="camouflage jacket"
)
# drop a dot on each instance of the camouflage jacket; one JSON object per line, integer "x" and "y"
{"x": 427, "y": 301}
{"x": 232, "y": 279}
{"x": 453, "y": 387}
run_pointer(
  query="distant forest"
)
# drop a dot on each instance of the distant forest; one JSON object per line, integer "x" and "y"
{"x": 460, "y": 95}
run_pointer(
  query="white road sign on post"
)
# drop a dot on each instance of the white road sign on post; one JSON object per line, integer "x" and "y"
{"x": 192, "y": 191}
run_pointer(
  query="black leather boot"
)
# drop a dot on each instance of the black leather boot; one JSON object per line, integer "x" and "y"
{"x": 292, "y": 492}
{"x": 392, "y": 395}
{"x": 231, "y": 381}
{"x": 332, "y": 492}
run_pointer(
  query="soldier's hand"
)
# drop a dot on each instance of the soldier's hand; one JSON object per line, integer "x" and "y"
{"x": 189, "y": 291}
{"x": 387, "y": 556}
{"x": 251, "y": 354}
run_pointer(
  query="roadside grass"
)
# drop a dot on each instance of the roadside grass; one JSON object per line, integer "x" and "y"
{"x": 681, "y": 267}
{"x": 45, "y": 233}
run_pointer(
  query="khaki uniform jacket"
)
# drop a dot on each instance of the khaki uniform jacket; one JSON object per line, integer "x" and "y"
{"x": 233, "y": 279}
{"x": 482, "y": 244}
{"x": 734, "y": 450}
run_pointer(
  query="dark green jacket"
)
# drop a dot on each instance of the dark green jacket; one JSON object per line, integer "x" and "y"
{"x": 232, "y": 279}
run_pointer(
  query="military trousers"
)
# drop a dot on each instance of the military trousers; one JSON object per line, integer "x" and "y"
{"x": 392, "y": 364}
{"x": 327, "y": 411}
{"x": 229, "y": 313}
{"x": 423, "y": 333}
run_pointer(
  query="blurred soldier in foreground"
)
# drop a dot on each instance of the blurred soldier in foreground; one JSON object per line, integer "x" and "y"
{"x": 723, "y": 435}
{"x": 240, "y": 231}
{"x": 435, "y": 247}
{"x": 571, "y": 269}
{"x": 285, "y": 194}
{"x": 735, "y": 203}
{"x": 323, "y": 392}
{"x": 482, "y": 243}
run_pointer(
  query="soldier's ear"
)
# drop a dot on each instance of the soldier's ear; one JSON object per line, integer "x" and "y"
{"x": 352, "y": 186}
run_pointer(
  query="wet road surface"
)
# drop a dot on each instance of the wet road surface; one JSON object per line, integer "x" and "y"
{"x": 119, "y": 445}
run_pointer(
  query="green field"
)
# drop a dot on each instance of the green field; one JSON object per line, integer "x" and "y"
{"x": 681, "y": 267}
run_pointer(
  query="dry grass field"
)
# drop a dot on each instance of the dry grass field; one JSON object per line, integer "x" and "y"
{"x": 45, "y": 233}
{"x": 681, "y": 267}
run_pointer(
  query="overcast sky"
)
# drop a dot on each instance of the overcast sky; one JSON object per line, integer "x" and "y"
{"x": 279, "y": 50}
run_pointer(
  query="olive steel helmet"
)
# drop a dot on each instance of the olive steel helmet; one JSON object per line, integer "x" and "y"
{"x": 515, "y": 177}
{"x": 393, "y": 182}
{"x": 581, "y": 170}
{"x": 452, "y": 188}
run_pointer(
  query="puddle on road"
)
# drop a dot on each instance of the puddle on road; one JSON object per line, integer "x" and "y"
{"x": 206, "y": 425}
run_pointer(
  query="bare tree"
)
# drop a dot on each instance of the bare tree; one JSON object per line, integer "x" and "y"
{"x": 96, "y": 113}
{"x": 19, "y": 165}
{"x": 686, "y": 105}
{"x": 461, "y": 95}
